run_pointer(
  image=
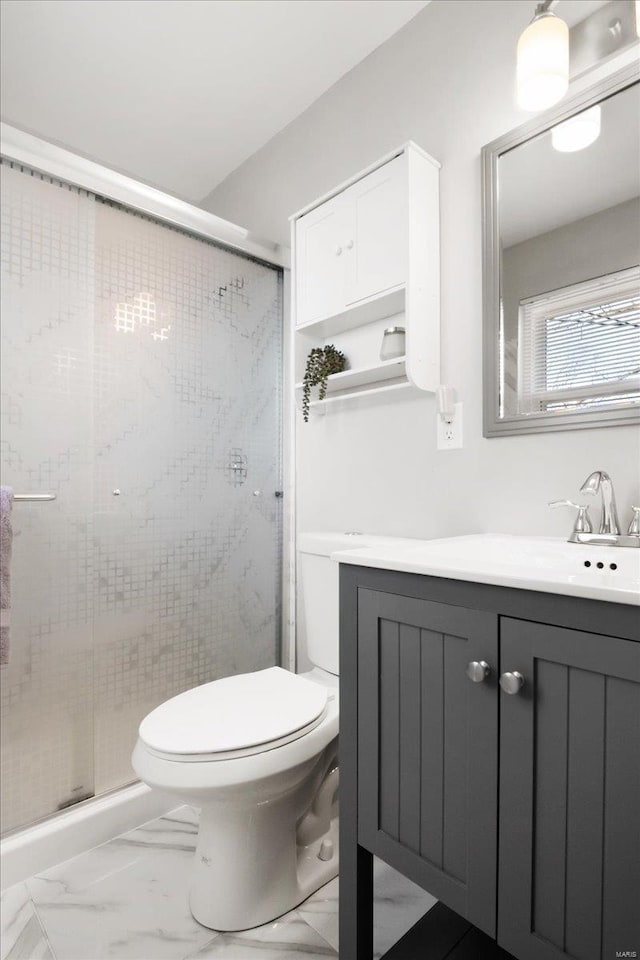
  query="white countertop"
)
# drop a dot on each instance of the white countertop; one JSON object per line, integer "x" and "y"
{"x": 547, "y": 564}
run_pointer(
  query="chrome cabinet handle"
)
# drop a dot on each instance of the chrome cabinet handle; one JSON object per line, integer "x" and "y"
{"x": 478, "y": 670}
{"x": 512, "y": 682}
{"x": 338, "y": 250}
{"x": 350, "y": 245}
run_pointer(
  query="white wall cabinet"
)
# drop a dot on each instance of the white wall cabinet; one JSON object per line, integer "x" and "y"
{"x": 322, "y": 238}
{"x": 377, "y": 247}
{"x": 365, "y": 255}
{"x": 353, "y": 246}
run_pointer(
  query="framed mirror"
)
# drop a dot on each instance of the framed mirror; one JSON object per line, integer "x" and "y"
{"x": 561, "y": 252}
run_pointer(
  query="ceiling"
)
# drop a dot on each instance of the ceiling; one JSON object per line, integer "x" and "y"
{"x": 542, "y": 189}
{"x": 178, "y": 93}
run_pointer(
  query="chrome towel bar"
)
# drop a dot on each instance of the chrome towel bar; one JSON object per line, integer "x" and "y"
{"x": 34, "y": 496}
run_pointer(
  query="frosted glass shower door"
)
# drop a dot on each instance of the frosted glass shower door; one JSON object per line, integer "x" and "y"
{"x": 47, "y": 436}
{"x": 141, "y": 379}
{"x": 187, "y": 428}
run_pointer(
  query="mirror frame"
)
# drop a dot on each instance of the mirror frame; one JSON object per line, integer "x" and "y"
{"x": 493, "y": 424}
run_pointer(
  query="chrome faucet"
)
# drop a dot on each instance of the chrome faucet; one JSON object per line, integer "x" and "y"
{"x": 599, "y": 481}
{"x": 609, "y": 534}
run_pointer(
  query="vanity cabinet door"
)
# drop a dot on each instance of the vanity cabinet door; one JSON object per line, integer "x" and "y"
{"x": 427, "y": 747}
{"x": 321, "y": 253}
{"x": 569, "y": 795}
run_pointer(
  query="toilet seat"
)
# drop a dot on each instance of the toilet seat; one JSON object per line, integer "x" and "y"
{"x": 235, "y": 717}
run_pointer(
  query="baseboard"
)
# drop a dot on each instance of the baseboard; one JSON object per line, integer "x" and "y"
{"x": 74, "y": 831}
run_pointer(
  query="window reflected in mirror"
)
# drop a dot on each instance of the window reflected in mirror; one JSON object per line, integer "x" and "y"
{"x": 569, "y": 247}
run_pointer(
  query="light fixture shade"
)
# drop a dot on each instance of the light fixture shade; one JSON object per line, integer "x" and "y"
{"x": 577, "y": 132}
{"x": 543, "y": 63}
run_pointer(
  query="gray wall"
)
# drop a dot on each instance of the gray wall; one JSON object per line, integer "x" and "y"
{"x": 603, "y": 243}
{"x": 447, "y": 81}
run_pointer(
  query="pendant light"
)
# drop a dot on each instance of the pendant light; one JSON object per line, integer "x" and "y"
{"x": 543, "y": 60}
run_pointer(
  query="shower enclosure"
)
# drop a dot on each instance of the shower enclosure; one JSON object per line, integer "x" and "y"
{"x": 141, "y": 385}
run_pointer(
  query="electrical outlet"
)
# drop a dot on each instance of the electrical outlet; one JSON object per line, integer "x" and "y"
{"x": 450, "y": 434}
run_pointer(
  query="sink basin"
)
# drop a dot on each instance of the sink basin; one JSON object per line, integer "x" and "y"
{"x": 548, "y": 564}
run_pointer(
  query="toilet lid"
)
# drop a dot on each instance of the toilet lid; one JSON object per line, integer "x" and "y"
{"x": 234, "y": 713}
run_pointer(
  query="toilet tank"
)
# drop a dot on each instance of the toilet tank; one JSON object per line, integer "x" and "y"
{"x": 318, "y": 584}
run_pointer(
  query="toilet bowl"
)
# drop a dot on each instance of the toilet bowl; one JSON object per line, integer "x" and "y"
{"x": 257, "y": 753}
{"x": 265, "y": 782}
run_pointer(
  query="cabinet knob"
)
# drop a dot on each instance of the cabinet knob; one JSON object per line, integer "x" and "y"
{"x": 478, "y": 670}
{"x": 512, "y": 682}
{"x": 338, "y": 250}
{"x": 350, "y": 245}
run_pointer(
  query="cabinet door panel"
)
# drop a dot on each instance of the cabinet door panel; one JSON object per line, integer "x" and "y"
{"x": 431, "y": 742}
{"x": 621, "y": 877}
{"x": 457, "y": 749}
{"x": 427, "y": 747}
{"x": 377, "y": 205}
{"x": 321, "y": 259}
{"x": 569, "y": 835}
{"x": 409, "y": 820}
{"x": 389, "y": 718}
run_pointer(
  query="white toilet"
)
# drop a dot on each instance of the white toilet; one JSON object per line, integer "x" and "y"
{"x": 258, "y": 754}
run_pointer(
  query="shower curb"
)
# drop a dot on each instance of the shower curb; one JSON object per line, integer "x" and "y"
{"x": 78, "y": 829}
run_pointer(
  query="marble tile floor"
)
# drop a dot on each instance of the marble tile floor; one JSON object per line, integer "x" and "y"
{"x": 127, "y": 900}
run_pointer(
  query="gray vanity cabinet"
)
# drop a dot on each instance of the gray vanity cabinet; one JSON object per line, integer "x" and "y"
{"x": 569, "y": 862}
{"x": 428, "y": 747}
{"x": 518, "y": 808}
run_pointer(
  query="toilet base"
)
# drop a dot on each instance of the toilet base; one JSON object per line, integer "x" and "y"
{"x": 251, "y": 891}
{"x": 313, "y": 872}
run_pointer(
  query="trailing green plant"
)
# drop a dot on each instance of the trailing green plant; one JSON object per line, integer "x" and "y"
{"x": 321, "y": 363}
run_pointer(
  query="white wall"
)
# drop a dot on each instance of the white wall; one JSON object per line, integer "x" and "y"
{"x": 447, "y": 81}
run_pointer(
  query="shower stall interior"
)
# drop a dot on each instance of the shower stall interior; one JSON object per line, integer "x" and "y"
{"x": 141, "y": 386}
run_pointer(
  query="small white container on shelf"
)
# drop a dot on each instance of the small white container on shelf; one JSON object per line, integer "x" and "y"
{"x": 393, "y": 343}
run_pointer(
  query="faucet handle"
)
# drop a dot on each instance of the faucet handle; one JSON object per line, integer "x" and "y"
{"x": 583, "y": 520}
{"x": 634, "y": 526}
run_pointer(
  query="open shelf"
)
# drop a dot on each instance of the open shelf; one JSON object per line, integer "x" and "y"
{"x": 360, "y": 376}
{"x": 384, "y": 304}
{"x": 388, "y": 388}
